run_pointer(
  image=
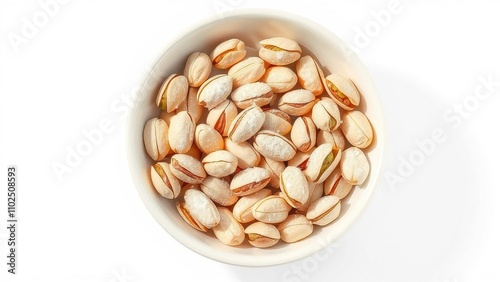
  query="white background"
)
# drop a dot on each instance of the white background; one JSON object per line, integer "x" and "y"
{"x": 440, "y": 223}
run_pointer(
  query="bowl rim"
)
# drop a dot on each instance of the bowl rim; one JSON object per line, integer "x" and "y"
{"x": 157, "y": 213}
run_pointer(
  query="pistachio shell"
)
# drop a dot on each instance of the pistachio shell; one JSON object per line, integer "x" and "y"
{"x": 201, "y": 208}
{"x": 354, "y": 166}
{"x": 156, "y": 138}
{"x": 303, "y": 134}
{"x": 336, "y": 138}
{"x": 324, "y": 210}
{"x": 220, "y": 163}
{"x": 326, "y": 114}
{"x": 255, "y": 93}
{"x": 229, "y": 231}
{"x": 336, "y": 185}
{"x": 164, "y": 181}
{"x": 246, "y": 124}
{"x": 262, "y": 235}
{"x": 280, "y": 79}
{"x": 310, "y": 75}
{"x": 207, "y": 139}
{"x": 250, "y": 180}
{"x": 342, "y": 91}
{"x": 187, "y": 168}
{"x": 297, "y": 102}
{"x": 357, "y": 129}
{"x": 228, "y": 53}
{"x": 295, "y": 228}
{"x": 197, "y": 69}
{"x": 172, "y": 92}
{"x": 249, "y": 70}
{"x": 274, "y": 146}
{"x": 214, "y": 91}
{"x": 279, "y": 51}
{"x": 322, "y": 162}
{"x": 294, "y": 186}
{"x": 221, "y": 116}
{"x": 181, "y": 132}
{"x": 271, "y": 209}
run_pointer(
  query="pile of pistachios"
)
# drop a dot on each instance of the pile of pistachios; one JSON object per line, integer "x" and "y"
{"x": 258, "y": 152}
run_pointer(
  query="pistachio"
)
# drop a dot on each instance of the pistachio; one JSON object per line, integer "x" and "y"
{"x": 250, "y": 180}
{"x": 294, "y": 186}
{"x": 201, "y": 208}
{"x": 274, "y": 146}
{"x": 322, "y": 162}
{"x": 187, "y": 168}
{"x": 357, "y": 129}
{"x": 181, "y": 132}
{"x": 297, "y": 102}
{"x": 342, "y": 91}
{"x": 172, "y": 92}
{"x": 217, "y": 190}
{"x": 271, "y": 209}
{"x": 335, "y": 137}
{"x": 262, "y": 235}
{"x": 280, "y": 79}
{"x": 277, "y": 121}
{"x": 275, "y": 168}
{"x": 220, "y": 163}
{"x": 310, "y": 75}
{"x": 164, "y": 181}
{"x": 295, "y": 228}
{"x": 336, "y": 185}
{"x": 221, "y": 116}
{"x": 198, "y": 68}
{"x": 246, "y": 124}
{"x": 156, "y": 138}
{"x": 324, "y": 210}
{"x": 257, "y": 93}
{"x": 326, "y": 114}
{"x": 181, "y": 208}
{"x": 229, "y": 231}
{"x": 246, "y": 154}
{"x": 249, "y": 70}
{"x": 228, "y": 53}
{"x": 207, "y": 139}
{"x": 279, "y": 51}
{"x": 354, "y": 166}
{"x": 300, "y": 159}
{"x": 242, "y": 210}
{"x": 303, "y": 134}
{"x": 190, "y": 104}
{"x": 315, "y": 192}
{"x": 214, "y": 91}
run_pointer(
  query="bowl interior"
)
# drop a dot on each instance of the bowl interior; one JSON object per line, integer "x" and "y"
{"x": 251, "y": 27}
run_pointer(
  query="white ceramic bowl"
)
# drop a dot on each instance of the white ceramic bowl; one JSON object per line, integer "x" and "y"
{"x": 251, "y": 26}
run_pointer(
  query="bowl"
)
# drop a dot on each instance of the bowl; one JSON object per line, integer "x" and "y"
{"x": 251, "y": 26}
